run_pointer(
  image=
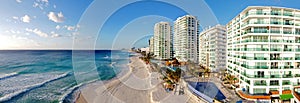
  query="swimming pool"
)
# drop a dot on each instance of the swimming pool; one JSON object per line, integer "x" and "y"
{"x": 209, "y": 89}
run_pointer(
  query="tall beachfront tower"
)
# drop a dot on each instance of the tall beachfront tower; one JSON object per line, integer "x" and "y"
{"x": 186, "y": 30}
{"x": 163, "y": 43}
{"x": 264, "y": 49}
{"x": 151, "y": 45}
{"x": 212, "y": 42}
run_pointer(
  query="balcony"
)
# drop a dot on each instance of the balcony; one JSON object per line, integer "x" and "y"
{"x": 288, "y": 23}
{"x": 275, "y": 76}
{"x": 260, "y": 40}
{"x": 288, "y": 41}
{"x": 260, "y": 58}
{"x": 258, "y": 13}
{"x": 287, "y": 49}
{"x": 258, "y": 67}
{"x": 297, "y": 75}
{"x": 255, "y": 40}
{"x": 276, "y": 41}
{"x": 255, "y": 49}
{"x": 286, "y": 83}
{"x": 260, "y": 22}
{"x": 260, "y": 83}
{"x": 276, "y": 22}
{"x": 288, "y": 14}
{"x": 275, "y": 67}
{"x": 244, "y": 65}
{"x": 276, "y": 49}
{"x": 274, "y": 84}
{"x": 288, "y": 67}
{"x": 260, "y": 31}
{"x": 287, "y": 76}
{"x": 259, "y": 76}
{"x": 288, "y": 58}
{"x": 244, "y": 57}
{"x": 287, "y": 32}
{"x": 276, "y": 13}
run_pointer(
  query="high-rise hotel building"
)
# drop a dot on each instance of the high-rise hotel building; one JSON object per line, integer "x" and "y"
{"x": 151, "y": 45}
{"x": 264, "y": 49}
{"x": 212, "y": 42}
{"x": 163, "y": 42}
{"x": 186, "y": 38}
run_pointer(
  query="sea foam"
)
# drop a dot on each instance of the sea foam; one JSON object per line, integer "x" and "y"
{"x": 17, "y": 90}
{"x": 5, "y": 76}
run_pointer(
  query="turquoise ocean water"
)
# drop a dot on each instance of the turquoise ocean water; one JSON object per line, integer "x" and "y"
{"x": 50, "y": 76}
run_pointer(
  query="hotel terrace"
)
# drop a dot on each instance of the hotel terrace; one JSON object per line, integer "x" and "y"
{"x": 264, "y": 53}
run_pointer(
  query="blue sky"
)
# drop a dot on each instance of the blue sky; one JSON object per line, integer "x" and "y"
{"x": 103, "y": 24}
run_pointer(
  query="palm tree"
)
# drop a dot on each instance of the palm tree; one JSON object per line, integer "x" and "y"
{"x": 147, "y": 57}
{"x": 175, "y": 62}
{"x": 207, "y": 71}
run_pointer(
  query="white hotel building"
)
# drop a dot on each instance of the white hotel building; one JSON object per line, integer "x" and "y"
{"x": 212, "y": 44}
{"x": 151, "y": 45}
{"x": 186, "y": 38}
{"x": 264, "y": 50}
{"x": 163, "y": 42}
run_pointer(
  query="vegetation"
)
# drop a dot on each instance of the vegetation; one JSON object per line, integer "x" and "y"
{"x": 146, "y": 57}
{"x": 230, "y": 80}
{"x": 174, "y": 76}
{"x": 205, "y": 71}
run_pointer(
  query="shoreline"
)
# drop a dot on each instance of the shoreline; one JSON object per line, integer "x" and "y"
{"x": 79, "y": 98}
{"x": 138, "y": 85}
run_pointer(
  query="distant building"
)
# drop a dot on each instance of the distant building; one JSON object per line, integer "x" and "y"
{"x": 212, "y": 44}
{"x": 186, "y": 30}
{"x": 145, "y": 49}
{"x": 163, "y": 45}
{"x": 151, "y": 45}
{"x": 264, "y": 51}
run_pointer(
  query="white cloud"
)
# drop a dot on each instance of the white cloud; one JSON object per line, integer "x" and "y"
{"x": 19, "y": 1}
{"x": 57, "y": 27}
{"x": 54, "y": 35}
{"x": 25, "y": 19}
{"x": 70, "y": 28}
{"x": 45, "y": 1}
{"x": 12, "y": 31}
{"x": 16, "y": 18}
{"x": 38, "y": 32}
{"x": 35, "y": 4}
{"x": 41, "y": 4}
{"x": 54, "y": 6}
{"x": 60, "y": 15}
{"x": 58, "y": 18}
{"x": 14, "y": 41}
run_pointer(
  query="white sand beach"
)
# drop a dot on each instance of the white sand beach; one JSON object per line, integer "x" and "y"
{"x": 138, "y": 85}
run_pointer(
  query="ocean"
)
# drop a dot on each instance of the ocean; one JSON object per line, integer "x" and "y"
{"x": 52, "y": 76}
